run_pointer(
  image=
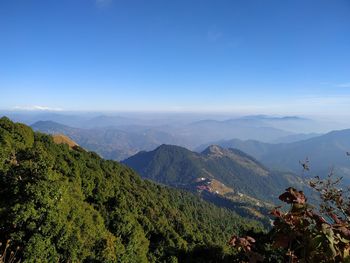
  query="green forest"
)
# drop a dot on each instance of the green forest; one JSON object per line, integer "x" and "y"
{"x": 65, "y": 204}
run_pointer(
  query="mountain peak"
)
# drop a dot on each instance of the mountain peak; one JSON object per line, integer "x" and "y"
{"x": 214, "y": 150}
{"x": 171, "y": 148}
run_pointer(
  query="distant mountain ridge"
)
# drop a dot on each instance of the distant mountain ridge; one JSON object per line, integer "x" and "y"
{"x": 120, "y": 142}
{"x": 206, "y": 130}
{"x": 325, "y": 152}
{"x": 110, "y": 143}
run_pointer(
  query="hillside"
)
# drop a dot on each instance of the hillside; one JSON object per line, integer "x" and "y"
{"x": 109, "y": 142}
{"x": 324, "y": 152}
{"x": 62, "y": 139}
{"x": 179, "y": 167}
{"x": 62, "y": 204}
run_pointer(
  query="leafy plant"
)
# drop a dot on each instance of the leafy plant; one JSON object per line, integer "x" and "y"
{"x": 306, "y": 233}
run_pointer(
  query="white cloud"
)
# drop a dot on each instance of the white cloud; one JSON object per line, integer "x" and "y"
{"x": 37, "y": 108}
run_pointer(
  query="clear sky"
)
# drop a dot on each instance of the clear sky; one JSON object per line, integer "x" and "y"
{"x": 253, "y": 56}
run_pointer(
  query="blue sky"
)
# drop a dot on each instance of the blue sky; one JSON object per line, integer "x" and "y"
{"x": 249, "y": 56}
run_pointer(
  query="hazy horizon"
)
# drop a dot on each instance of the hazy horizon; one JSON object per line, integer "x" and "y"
{"x": 292, "y": 123}
{"x": 241, "y": 57}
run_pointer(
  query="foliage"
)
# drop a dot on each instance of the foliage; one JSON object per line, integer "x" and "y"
{"x": 62, "y": 204}
{"x": 304, "y": 233}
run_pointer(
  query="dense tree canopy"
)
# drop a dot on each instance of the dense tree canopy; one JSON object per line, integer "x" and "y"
{"x": 66, "y": 204}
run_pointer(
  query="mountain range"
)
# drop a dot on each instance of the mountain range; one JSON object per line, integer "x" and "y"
{"x": 100, "y": 200}
{"x": 284, "y": 150}
{"x": 323, "y": 153}
{"x": 117, "y": 138}
{"x": 110, "y": 143}
{"x": 61, "y": 203}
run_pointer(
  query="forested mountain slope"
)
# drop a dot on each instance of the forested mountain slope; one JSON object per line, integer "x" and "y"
{"x": 62, "y": 204}
{"x": 178, "y": 166}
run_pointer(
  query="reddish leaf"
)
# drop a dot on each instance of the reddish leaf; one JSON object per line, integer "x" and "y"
{"x": 292, "y": 196}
